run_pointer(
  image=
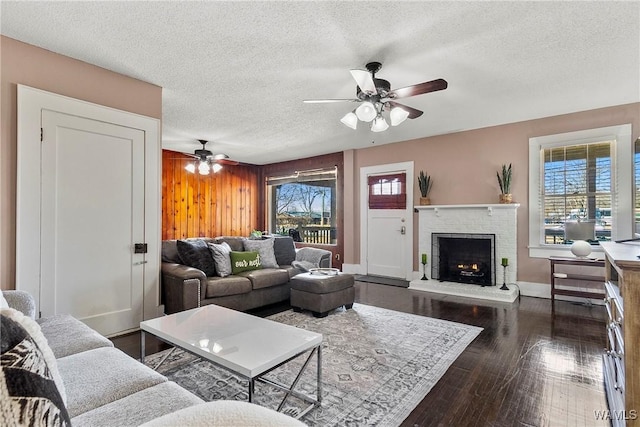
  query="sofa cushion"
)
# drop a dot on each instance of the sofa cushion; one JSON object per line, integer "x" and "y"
{"x": 195, "y": 253}
{"x": 225, "y": 286}
{"x": 226, "y": 413}
{"x": 67, "y": 335}
{"x": 267, "y": 278}
{"x": 220, "y": 253}
{"x": 31, "y": 388}
{"x": 139, "y": 407}
{"x": 284, "y": 250}
{"x": 244, "y": 261}
{"x": 96, "y": 377}
{"x": 236, "y": 242}
{"x": 169, "y": 252}
{"x": 265, "y": 248}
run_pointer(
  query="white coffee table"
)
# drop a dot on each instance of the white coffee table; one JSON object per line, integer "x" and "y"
{"x": 248, "y": 345}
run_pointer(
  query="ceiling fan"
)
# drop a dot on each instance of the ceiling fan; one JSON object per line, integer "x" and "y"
{"x": 208, "y": 161}
{"x": 376, "y": 96}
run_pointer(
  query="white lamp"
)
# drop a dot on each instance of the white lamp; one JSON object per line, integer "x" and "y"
{"x": 379, "y": 124}
{"x": 580, "y": 232}
{"x": 216, "y": 168}
{"x": 191, "y": 167}
{"x": 351, "y": 120}
{"x": 366, "y": 111}
{"x": 398, "y": 115}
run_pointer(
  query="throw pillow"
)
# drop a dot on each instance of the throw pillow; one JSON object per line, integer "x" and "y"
{"x": 244, "y": 261}
{"x": 221, "y": 257}
{"x": 265, "y": 249}
{"x": 284, "y": 249}
{"x": 28, "y": 389}
{"x": 195, "y": 253}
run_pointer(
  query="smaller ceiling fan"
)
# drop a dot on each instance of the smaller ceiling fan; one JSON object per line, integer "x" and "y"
{"x": 208, "y": 161}
{"x": 375, "y": 97}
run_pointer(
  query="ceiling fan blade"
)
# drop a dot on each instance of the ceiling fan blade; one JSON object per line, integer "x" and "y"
{"x": 365, "y": 81}
{"x": 227, "y": 162}
{"x": 419, "y": 89}
{"x": 413, "y": 113}
{"x": 326, "y": 101}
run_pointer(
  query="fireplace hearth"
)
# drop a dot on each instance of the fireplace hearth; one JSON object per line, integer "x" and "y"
{"x": 464, "y": 258}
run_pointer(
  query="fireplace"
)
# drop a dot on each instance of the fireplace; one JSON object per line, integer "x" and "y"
{"x": 464, "y": 258}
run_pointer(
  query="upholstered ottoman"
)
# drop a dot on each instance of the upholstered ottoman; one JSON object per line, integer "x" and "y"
{"x": 320, "y": 293}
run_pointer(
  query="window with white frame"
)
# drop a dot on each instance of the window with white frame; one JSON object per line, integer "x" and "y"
{"x": 583, "y": 176}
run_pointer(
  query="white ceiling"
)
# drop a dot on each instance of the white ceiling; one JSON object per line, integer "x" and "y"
{"x": 236, "y": 73}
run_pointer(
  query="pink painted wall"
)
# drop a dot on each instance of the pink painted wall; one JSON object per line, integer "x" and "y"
{"x": 21, "y": 63}
{"x": 463, "y": 166}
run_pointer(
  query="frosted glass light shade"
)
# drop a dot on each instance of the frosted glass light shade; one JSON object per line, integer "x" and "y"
{"x": 379, "y": 125}
{"x": 366, "y": 112}
{"x": 203, "y": 168}
{"x": 216, "y": 168}
{"x": 191, "y": 168}
{"x": 351, "y": 120}
{"x": 398, "y": 115}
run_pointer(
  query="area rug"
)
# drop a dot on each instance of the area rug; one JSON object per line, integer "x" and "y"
{"x": 383, "y": 280}
{"x": 377, "y": 365}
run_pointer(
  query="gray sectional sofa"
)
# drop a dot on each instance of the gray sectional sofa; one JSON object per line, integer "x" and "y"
{"x": 185, "y": 287}
{"x": 100, "y": 385}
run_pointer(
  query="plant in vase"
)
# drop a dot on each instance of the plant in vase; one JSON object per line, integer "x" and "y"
{"x": 424, "y": 183}
{"x": 504, "y": 180}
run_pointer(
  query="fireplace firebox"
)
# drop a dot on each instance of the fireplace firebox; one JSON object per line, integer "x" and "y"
{"x": 464, "y": 258}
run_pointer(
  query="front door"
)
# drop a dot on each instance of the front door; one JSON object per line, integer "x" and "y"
{"x": 387, "y": 236}
{"x": 92, "y": 215}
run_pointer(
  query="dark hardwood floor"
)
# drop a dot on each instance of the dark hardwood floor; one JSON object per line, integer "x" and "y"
{"x": 532, "y": 365}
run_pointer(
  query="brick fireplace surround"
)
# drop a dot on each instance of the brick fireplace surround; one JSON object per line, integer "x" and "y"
{"x": 498, "y": 219}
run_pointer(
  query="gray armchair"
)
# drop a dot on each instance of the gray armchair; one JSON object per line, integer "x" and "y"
{"x": 21, "y": 301}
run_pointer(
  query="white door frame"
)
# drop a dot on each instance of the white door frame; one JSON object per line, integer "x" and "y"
{"x": 31, "y": 102}
{"x": 364, "y": 208}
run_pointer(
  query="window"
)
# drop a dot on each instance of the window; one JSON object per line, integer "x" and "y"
{"x": 577, "y": 187}
{"x": 582, "y": 176}
{"x": 387, "y": 191}
{"x": 304, "y": 205}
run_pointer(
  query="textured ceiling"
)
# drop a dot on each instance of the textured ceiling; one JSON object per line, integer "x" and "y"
{"x": 236, "y": 73}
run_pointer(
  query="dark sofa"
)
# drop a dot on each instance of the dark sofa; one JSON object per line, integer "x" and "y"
{"x": 185, "y": 287}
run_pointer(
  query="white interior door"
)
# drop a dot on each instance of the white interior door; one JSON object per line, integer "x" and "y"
{"x": 387, "y": 242}
{"x": 386, "y": 235}
{"x": 92, "y": 199}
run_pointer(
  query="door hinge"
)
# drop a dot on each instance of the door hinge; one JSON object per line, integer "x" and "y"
{"x": 41, "y": 134}
{"x": 39, "y": 314}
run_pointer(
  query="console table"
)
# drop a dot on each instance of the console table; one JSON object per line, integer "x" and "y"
{"x": 621, "y": 361}
{"x": 581, "y": 262}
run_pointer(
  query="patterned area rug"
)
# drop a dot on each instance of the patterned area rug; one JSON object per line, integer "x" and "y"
{"x": 377, "y": 365}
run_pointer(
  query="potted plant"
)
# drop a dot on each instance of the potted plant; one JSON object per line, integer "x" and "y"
{"x": 504, "y": 180}
{"x": 425, "y": 183}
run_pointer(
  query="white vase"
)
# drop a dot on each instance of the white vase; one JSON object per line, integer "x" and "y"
{"x": 581, "y": 248}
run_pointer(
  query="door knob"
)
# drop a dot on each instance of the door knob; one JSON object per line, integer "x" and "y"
{"x": 403, "y": 230}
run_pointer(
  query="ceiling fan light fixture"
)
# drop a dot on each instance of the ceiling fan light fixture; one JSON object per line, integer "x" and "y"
{"x": 366, "y": 111}
{"x": 216, "y": 168}
{"x": 191, "y": 168}
{"x": 398, "y": 115}
{"x": 351, "y": 120}
{"x": 220, "y": 156}
{"x": 203, "y": 168}
{"x": 379, "y": 124}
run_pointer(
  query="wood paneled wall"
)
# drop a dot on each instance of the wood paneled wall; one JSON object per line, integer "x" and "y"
{"x": 225, "y": 203}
